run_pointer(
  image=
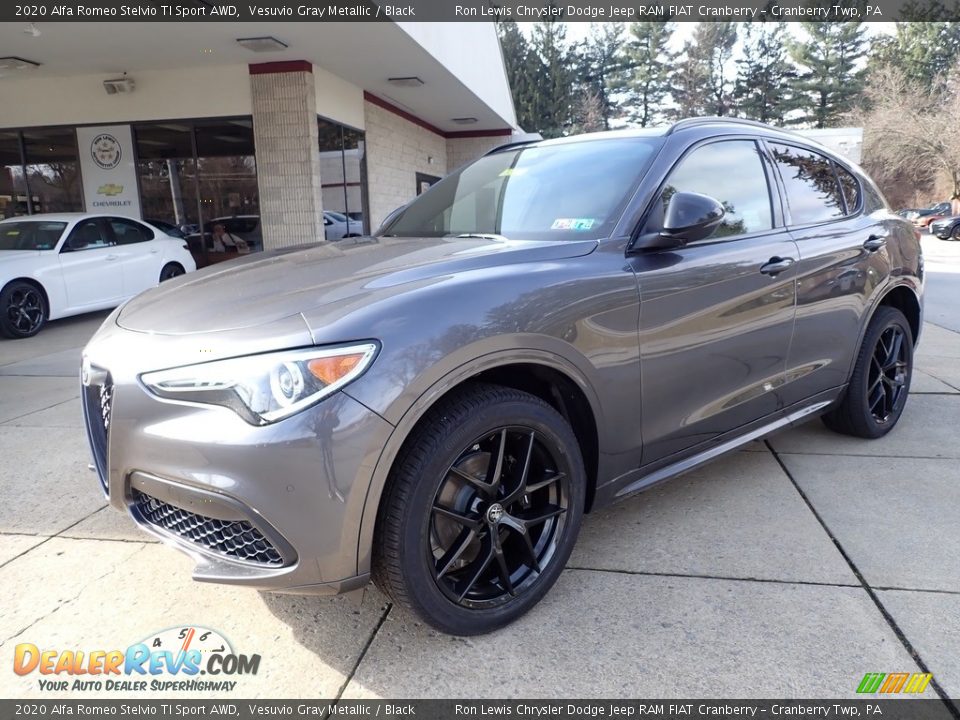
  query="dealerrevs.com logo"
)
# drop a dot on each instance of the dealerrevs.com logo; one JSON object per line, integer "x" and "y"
{"x": 182, "y": 659}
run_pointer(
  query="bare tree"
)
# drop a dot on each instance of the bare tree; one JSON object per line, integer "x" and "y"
{"x": 911, "y": 131}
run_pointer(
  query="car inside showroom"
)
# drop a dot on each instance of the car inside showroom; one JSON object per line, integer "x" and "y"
{"x": 482, "y": 358}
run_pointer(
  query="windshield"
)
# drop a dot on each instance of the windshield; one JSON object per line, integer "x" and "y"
{"x": 337, "y": 216}
{"x": 30, "y": 235}
{"x": 572, "y": 191}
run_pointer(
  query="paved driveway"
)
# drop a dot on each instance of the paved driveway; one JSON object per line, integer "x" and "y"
{"x": 790, "y": 568}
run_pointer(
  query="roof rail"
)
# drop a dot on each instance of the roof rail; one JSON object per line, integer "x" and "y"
{"x": 518, "y": 140}
{"x": 713, "y": 120}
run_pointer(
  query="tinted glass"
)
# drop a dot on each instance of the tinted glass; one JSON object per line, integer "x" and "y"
{"x": 168, "y": 173}
{"x": 13, "y": 182}
{"x": 569, "y": 191}
{"x": 30, "y": 235}
{"x": 812, "y": 190}
{"x": 53, "y": 171}
{"x": 872, "y": 199}
{"x": 128, "y": 232}
{"x": 851, "y": 189}
{"x": 732, "y": 172}
{"x": 86, "y": 235}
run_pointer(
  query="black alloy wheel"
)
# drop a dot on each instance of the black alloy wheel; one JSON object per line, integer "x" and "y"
{"x": 481, "y": 510}
{"x": 887, "y": 377}
{"x": 880, "y": 384}
{"x": 496, "y": 518}
{"x": 170, "y": 270}
{"x": 24, "y": 310}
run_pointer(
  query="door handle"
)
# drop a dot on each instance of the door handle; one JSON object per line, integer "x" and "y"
{"x": 875, "y": 242}
{"x": 776, "y": 265}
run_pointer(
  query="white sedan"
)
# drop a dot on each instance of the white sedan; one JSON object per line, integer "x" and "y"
{"x": 56, "y": 265}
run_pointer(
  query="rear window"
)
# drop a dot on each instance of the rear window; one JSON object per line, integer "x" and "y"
{"x": 813, "y": 193}
{"x": 570, "y": 191}
{"x": 30, "y": 235}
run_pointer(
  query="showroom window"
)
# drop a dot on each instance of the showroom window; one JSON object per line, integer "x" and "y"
{"x": 197, "y": 175}
{"x": 39, "y": 171}
{"x": 343, "y": 179}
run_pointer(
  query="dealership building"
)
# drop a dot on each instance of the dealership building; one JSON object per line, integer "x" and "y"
{"x": 289, "y": 129}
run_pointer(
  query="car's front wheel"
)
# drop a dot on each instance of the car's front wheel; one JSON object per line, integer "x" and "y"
{"x": 880, "y": 383}
{"x": 956, "y": 233}
{"x": 481, "y": 511}
{"x": 23, "y": 309}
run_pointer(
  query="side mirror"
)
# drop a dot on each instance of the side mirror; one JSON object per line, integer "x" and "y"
{"x": 689, "y": 217}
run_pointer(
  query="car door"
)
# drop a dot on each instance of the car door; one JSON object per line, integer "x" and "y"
{"x": 140, "y": 255}
{"x": 716, "y": 315}
{"x": 843, "y": 257}
{"x": 88, "y": 259}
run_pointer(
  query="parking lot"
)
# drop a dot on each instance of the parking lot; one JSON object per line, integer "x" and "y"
{"x": 790, "y": 568}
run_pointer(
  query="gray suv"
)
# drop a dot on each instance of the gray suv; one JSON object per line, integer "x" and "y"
{"x": 552, "y": 328}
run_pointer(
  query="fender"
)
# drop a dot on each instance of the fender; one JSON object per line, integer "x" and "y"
{"x": 906, "y": 281}
{"x": 426, "y": 400}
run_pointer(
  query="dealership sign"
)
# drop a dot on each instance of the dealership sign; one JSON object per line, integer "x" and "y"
{"x": 109, "y": 173}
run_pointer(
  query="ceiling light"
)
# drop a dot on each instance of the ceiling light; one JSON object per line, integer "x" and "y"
{"x": 262, "y": 44}
{"x": 17, "y": 63}
{"x": 464, "y": 120}
{"x": 409, "y": 81}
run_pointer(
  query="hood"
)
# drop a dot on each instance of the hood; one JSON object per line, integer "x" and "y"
{"x": 11, "y": 255}
{"x": 338, "y": 277}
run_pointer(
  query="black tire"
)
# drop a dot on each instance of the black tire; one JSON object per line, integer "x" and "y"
{"x": 880, "y": 384}
{"x": 503, "y": 571}
{"x": 23, "y": 309}
{"x": 955, "y": 235}
{"x": 171, "y": 270}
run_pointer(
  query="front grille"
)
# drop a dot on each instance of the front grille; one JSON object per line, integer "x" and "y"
{"x": 97, "y": 408}
{"x": 236, "y": 539}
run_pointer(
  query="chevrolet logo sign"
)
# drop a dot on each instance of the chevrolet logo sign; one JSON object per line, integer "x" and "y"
{"x": 110, "y": 189}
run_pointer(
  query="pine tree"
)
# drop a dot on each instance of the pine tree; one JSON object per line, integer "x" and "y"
{"x": 645, "y": 77}
{"x": 700, "y": 82}
{"x": 924, "y": 51}
{"x": 599, "y": 60}
{"x": 765, "y": 74}
{"x": 554, "y": 76}
{"x": 522, "y": 67}
{"x": 828, "y": 81}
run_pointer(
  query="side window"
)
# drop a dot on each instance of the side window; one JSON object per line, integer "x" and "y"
{"x": 872, "y": 199}
{"x": 732, "y": 172}
{"x": 128, "y": 232}
{"x": 86, "y": 235}
{"x": 851, "y": 189}
{"x": 813, "y": 193}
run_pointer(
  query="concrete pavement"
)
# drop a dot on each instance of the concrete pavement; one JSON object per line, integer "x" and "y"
{"x": 789, "y": 568}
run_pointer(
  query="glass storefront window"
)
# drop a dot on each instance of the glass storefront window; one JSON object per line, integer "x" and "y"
{"x": 52, "y": 170}
{"x": 342, "y": 179}
{"x": 168, "y": 175}
{"x": 13, "y": 185}
{"x": 227, "y": 174}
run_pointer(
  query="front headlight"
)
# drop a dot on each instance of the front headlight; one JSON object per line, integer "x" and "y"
{"x": 264, "y": 388}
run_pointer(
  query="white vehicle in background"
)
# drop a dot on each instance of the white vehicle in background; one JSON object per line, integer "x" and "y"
{"x": 56, "y": 265}
{"x": 337, "y": 226}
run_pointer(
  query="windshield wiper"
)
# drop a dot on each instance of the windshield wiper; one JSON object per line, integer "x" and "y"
{"x": 483, "y": 236}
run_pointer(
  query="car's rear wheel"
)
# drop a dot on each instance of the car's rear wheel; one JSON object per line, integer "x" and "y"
{"x": 171, "y": 270}
{"x": 880, "y": 383}
{"x": 481, "y": 511}
{"x": 956, "y": 232}
{"x": 23, "y": 309}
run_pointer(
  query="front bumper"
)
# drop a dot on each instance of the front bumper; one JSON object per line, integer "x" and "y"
{"x": 276, "y": 507}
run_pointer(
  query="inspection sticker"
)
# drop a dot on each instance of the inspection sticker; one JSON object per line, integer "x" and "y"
{"x": 573, "y": 224}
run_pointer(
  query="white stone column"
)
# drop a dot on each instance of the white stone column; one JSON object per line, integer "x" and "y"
{"x": 288, "y": 158}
